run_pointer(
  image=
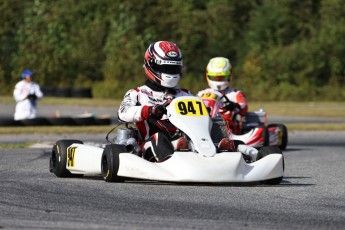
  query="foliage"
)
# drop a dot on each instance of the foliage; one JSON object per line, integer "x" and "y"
{"x": 280, "y": 50}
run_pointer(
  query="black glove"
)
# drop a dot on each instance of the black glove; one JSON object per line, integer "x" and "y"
{"x": 230, "y": 106}
{"x": 32, "y": 96}
{"x": 157, "y": 111}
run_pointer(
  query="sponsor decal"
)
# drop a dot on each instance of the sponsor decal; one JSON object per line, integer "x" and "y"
{"x": 172, "y": 54}
{"x": 166, "y": 62}
{"x": 70, "y": 156}
{"x": 148, "y": 93}
{"x": 209, "y": 95}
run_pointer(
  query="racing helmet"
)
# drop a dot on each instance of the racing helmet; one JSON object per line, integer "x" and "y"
{"x": 219, "y": 73}
{"x": 26, "y": 72}
{"x": 163, "y": 64}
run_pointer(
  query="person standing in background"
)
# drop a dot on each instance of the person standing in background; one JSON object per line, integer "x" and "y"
{"x": 26, "y": 92}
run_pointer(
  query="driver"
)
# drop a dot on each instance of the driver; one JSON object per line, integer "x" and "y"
{"x": 219, "y": 75}
{"x": 147, "y": 103}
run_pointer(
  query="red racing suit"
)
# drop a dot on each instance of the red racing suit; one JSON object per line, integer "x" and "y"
{"x": 132, "y": 108}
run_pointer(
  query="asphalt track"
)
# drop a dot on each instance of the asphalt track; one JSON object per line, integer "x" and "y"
{"x": 311, "y": 195}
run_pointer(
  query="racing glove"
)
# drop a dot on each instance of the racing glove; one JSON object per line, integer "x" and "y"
{"x": 230, "y": 106}
{"x": 155, "y": 112}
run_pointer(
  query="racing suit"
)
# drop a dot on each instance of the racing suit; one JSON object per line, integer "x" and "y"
{"x": 233, "y": 95}
{"x": 134, "y": 106}
{"x": 25, "y": 95}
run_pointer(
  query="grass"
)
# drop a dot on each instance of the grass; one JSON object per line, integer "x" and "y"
{"x": 301, "y": 109}
{"x": 315, "y": 126}
{"x": 21, "y": 145}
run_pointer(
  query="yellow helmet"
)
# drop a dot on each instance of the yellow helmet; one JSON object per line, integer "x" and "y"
{"x": 219, "y": 73}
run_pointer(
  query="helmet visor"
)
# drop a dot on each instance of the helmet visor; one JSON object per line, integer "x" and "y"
{"x": 219, "y": 78}
{"x": 168, "y": 69}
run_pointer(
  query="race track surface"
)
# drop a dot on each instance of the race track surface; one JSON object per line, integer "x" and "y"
{"x": 311, "y": 195}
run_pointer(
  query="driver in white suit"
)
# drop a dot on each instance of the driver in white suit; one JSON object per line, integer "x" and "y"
{"x": 26, "y": 93}
{"x": 163, "y": 69}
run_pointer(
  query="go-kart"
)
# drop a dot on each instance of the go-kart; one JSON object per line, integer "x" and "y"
{"x": 252, "y": 128}
{"x": 202, "y": 162}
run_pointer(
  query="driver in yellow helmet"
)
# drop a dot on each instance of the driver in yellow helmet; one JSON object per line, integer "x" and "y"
{"x": 219, "y": 75}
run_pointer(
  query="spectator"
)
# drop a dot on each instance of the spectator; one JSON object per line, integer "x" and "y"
{"x": 26, "y": 93}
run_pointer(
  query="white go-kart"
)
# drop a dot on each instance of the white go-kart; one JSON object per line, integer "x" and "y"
{"x": 202, "y": 162}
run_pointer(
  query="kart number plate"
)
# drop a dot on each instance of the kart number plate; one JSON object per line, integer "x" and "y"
{"x": 191, "y": 108}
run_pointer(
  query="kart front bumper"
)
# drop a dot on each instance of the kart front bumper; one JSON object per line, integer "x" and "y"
{"x": 192, "y": 167}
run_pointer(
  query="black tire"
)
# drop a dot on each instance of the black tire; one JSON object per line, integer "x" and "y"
{"x": 85, "y": 121}
{"x": 38, "y": 121}
{"x": 110, "y": 162}
{"x": 62, "y": 121}
{"x": 9, "y": 122}
{"x": 265, "y": 151}
{"x": 284, "y": 135}
{"x": 103, "y": 120}
{"x": 57, "y": 164}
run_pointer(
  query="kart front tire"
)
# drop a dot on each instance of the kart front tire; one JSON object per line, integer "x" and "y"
{"x": 265, "y": 151}
{"x": 111, "y": 161}
{"x": 58, "y": 159}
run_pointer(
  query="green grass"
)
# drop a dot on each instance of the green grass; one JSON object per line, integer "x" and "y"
{"x": 315, "y": 126}
{"x": 21, "y": 145}
{"x": 301, "y": 109}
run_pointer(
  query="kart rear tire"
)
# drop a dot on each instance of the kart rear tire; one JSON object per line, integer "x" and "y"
{"x": 110, "y": 162}
{"x": 284, "y": 135}
{"x": 284, "y": 140}
{"x": 58, "y": 159}
{"x": 265, "y": 151}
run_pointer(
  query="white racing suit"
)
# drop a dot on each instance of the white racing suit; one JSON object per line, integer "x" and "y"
{"x": 26, "y": 108}
{"x": 132, "y": 107}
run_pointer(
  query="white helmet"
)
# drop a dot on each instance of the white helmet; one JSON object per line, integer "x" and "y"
{"x": 219, "y": 73}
